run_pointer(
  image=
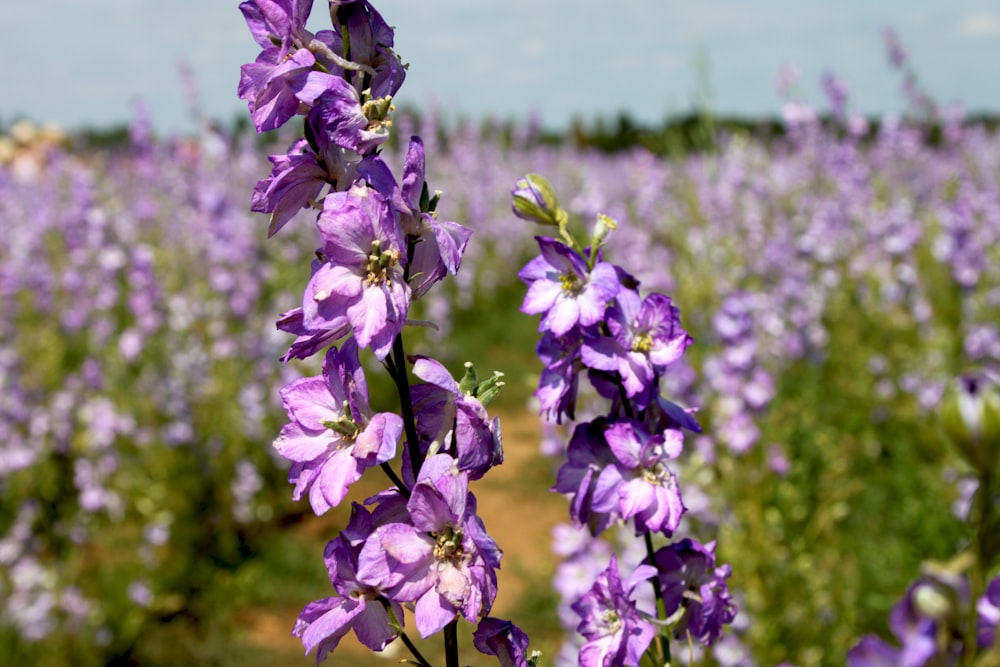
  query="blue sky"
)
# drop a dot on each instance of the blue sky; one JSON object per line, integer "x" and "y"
{"x": 84, "y": 63}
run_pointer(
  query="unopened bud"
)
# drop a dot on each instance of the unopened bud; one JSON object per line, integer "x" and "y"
{"x": 970, "y": 418}
{"x": 535, "y": 201}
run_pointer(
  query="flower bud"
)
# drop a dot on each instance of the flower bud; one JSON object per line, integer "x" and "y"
{"x": 535, "y": 201}
{"x": 970, "y": 419}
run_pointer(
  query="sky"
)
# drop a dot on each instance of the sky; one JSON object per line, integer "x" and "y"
{"x": 85, "y": 64}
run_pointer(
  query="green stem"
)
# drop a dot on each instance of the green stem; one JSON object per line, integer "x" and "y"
{"x": 661, "y": 608}
{"x": 977, "y": 578}
{"x": 451, "y": 644}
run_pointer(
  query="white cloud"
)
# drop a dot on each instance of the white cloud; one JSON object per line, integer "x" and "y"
{"x": 979, "y": 25}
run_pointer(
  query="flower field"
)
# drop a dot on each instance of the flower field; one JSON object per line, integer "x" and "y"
{"x": 837, "y": 281}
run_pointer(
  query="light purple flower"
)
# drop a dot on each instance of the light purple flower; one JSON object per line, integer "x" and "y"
{"x": 356, "y": 607}
{"x": 332, "y": 436}
{"x": 371, "y": 41}
{"x": 495, "y": 636}
{"x": 362, "y": 277}
{"x": 559, "y": 381}
{"x": 278, "y": 22}
{"x": 690, "y": 579}
{"x": 561, "y": 287}
{"x": 646, "y": 336}
{"x": 295, "y": 182}
{"x": 275, "y": 86}
{"x": 615, "y": 631}
{"x": 639, "y": 484}
{"x": 442, "y": 560}
{"x": 586, "y": 456}
{"x": 451, "y": 421}
{"x": 308, "y": 341}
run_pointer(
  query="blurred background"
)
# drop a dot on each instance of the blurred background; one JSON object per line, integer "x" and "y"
{"x": 817, "y": 187}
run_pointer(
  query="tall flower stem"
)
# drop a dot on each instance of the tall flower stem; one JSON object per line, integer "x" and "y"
{"x": 451, "y": 644}
{"x": 400, "y": 377}
{"x": 661, "y": 610}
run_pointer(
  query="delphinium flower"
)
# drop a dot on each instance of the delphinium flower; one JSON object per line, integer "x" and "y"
{"x": 361, "y": 279}
{"x": 450, "y": 418}
{"x": 616, "y": 633}
{"x": 441, "y": 558}
{"x": 333, "y": 436}
{"x": 692, "y": 583}
{"x": 565, "y": 289}
{"x": 357, "y": 606}
{"x": 382, "y": 246}
{"x": 617, "y": 467}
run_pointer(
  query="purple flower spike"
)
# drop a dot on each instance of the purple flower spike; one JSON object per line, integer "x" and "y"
{"x": 332, "y": 436}
{"x": 616, "y": 633}
{"x": 562, "y": 288}
{"x": 640, "y": 484}
{"x": 443, "y": 560}
{"x": 324, "y": 622}
{"x": 501, "y": 638}
{"x": 362, "y": 277}
{"x": 689, "y": 579}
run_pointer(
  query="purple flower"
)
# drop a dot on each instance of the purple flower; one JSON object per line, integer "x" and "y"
{"x": 559, "y": 381}
{"x": 586, "y": 456}
{"x": 361, "y": 278}
{"x": 332, "y": 436}
{"x": 295, "y": 182}
{"x": 988, "y": 612}
{"x": 276, "y": 85}
{"x": 915, "y": 630}
{"x": 442, "y": 559}
{"x": 371, "y": 40}
{"x": 357, "y": 606}
{"x": 278, "y": 22}
{"x": 562, "y": 288}
{"x": 616, "y": 634}
{"x": 645, "y": 337}
{"x": 449, "y": 420}
{"x": 495, "y": 636}
{"x": 438, "y": 245}
{"x": 339, "y": 116}
{"x": 308, "y": 341}
{"x": 689, "y": 579}
{"x": 639, "y": 484}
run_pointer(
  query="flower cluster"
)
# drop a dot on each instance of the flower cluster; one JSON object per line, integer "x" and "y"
{"x": 620, "y": 465}
{"x": 420, "y": 544}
